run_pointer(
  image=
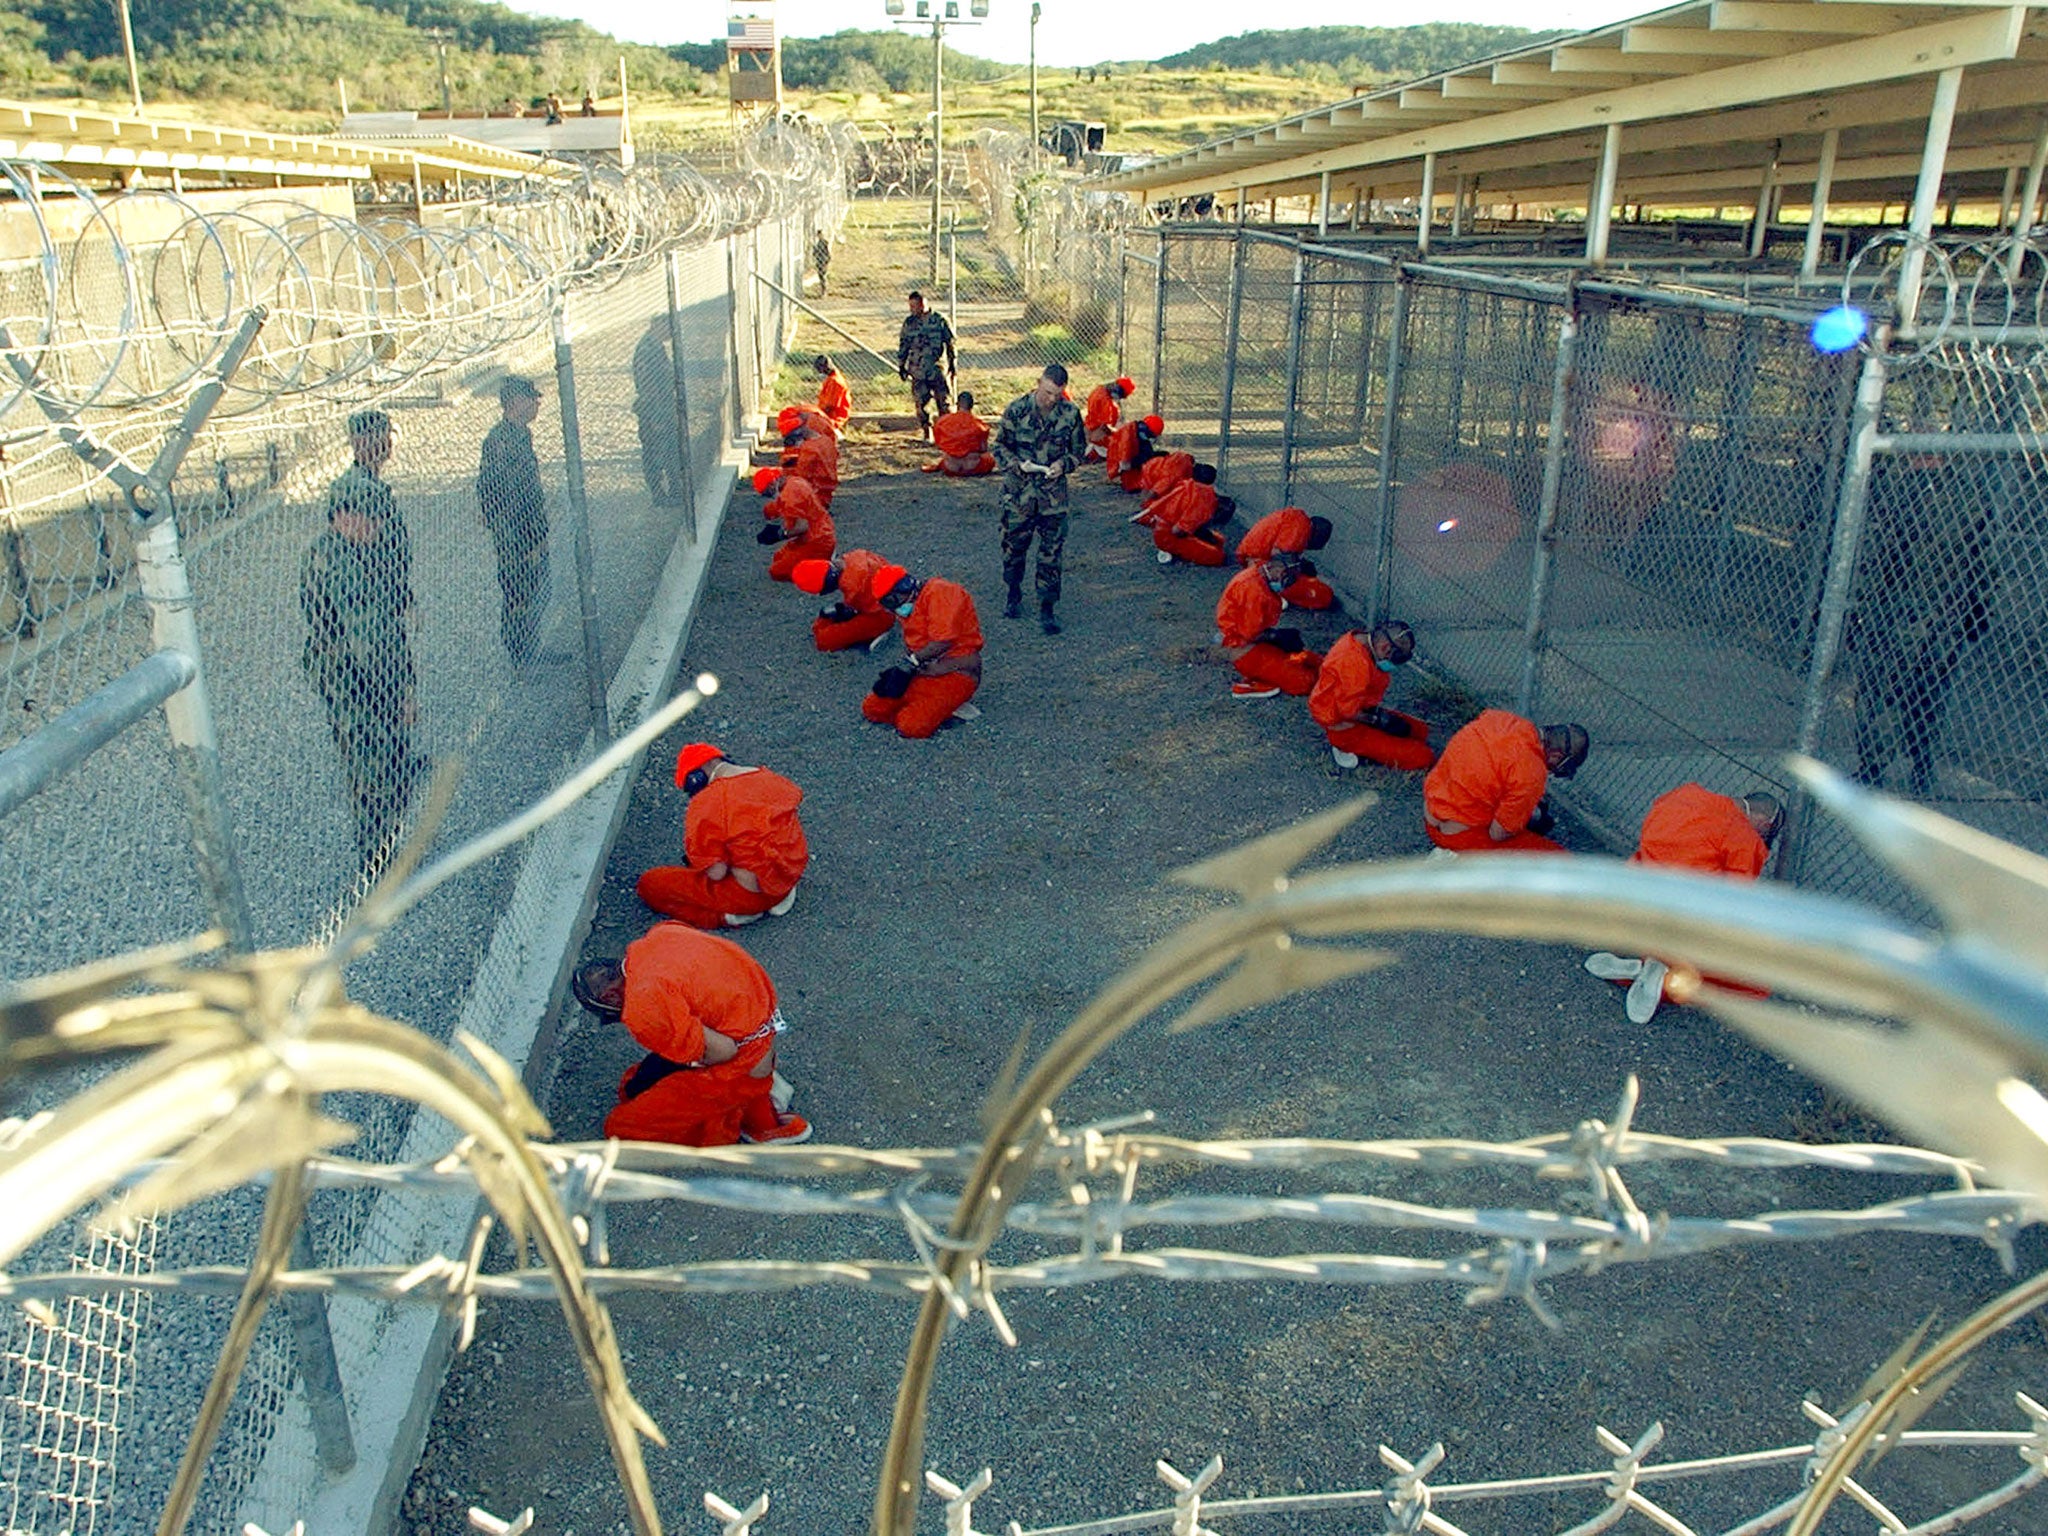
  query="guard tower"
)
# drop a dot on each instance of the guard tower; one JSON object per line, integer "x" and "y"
{"x": 753, "y": 59}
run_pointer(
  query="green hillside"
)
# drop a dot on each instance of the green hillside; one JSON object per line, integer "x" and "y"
{"x": 285, "y": 54}
{"x": 1358, "y": 54}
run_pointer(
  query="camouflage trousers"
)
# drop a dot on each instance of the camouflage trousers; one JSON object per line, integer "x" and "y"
{"x": 1034, "y": 509}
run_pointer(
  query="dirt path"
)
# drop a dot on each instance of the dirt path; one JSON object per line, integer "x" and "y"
{"x": 992, "y": 879}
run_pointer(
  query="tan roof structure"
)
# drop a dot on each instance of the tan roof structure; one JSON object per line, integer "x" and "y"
{"x": 1712, "y": 102}
{"x": 83, "y": 143}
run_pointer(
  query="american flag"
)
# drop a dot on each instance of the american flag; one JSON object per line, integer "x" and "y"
{"x": 750, "y": 32}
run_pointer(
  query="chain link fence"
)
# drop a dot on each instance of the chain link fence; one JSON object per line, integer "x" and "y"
{"x": 1636, "y": 503}
{"x": 373, "y": 594}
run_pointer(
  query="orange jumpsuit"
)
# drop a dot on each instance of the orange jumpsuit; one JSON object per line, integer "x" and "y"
{"x": 1161, "y": 473}
{"x": 962, "y": 440}
{"x": 1248, "y": 608}
{"x": 943, "y": 611}
{"x": 796, "y": 502}
{"x": 1099, "y": 416}
{"x": 816, "y": 459}
{"x": 1693, "y": 828}
{"x": 1177, "y": 520}
{"x": 833, "y": 398}
{"x": 1285, "y": 532}
{"x": 1491, "y": 770}
{"x": 870, "y": 619}
{"x": 810, "y": 416}
{"x": 1351, "y": 682}
{"x": 680, "y": 984}
{"x": 744, "y": 820}
{"x": 1120, "y": 450}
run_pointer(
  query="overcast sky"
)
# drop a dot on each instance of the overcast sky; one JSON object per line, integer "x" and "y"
{"x": 1071, "y": 31}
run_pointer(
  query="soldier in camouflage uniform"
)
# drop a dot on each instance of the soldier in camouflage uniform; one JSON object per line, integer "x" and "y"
{"x": 355, "y": 588}
{"x": 515, "y": 511}
{"x": 924, "y": 356}
{"x": 1039, "y": 442}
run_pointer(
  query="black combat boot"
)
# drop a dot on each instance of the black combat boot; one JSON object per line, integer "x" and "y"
{"x": 1046, "y": 620}
{"x": 1014, "y": 603}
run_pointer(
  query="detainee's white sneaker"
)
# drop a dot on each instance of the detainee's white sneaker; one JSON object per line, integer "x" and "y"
{"x": 967, "y": 712}
{"x": 1162, "y": 556}
{"x": 783, "y": 907}
{"x": 1646, "y": 992}
{"x": 1438, "y": 855}
{"x": 1611, "y": 967}
{"x": 741, "y": 919}
{"x": 1344, "y": 759}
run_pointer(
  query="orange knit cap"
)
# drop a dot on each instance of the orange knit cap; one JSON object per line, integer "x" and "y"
{"x": 788, "y": 419}
{"x": 1126, "y": 387}
{"x": 885, "y": 581}
{"x": 765, "y": 478}
{"x": 693, "y": 757}
{"x": 814, "y": 576}
{"x": 1155, "y": 425}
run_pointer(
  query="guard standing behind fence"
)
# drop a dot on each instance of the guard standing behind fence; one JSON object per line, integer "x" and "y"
{"x": 1039, "y": 442}
{"x": 924, "y": 356}
{"x": 654, "y": 413}
{"x": 515, "y": 511}
{"x": 355, "y": 590}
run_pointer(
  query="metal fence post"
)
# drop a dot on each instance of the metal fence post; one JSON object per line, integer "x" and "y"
{"x": 739, "y": 385}
{"x": 1295, "y": 322}
{"x": 1123, "y": 299}
{"x": 1851, "y": 505}
{"x": 685, "y": 456}
{"x": 1390, "y": 449}
{"x": 754, "y": 313}
{"x": 1535, "y": 634}
{"x": 1233, "y": 312}
{"x": 579, "y": 512}
{"x": 1159, "y": 329}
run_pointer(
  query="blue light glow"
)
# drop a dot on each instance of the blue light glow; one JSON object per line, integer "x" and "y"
{"x": 1839, "y": 329}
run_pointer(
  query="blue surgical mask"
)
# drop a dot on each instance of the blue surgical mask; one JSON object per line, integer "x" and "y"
{"x": 903, "y": 609}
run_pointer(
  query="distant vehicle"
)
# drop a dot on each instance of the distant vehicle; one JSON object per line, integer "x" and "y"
{"x": 1074, "y": 141}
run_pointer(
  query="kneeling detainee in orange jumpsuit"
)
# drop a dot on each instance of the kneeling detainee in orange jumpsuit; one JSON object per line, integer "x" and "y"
{"x": 1270, "y": 661}
{"x": 1485, "y": 793}
{"x": 1162, "y": 472}
{"x": 1291, "y": 531}
{"x": 1129, "y": 446}
{"x": 790, "y": 417}
{"x": 1346, "y": 701}
{"x": 942, "y": 635}
{"x": 1694, "y": 828}
{"x": 1099, "y": 415}
{"x": 707, "y": 1015}
{"x": 1184, "y": 521}
{"x": 856, "y": 620}
{"x": 813, "y": 456}
{"x": 962, "y": 440}
{"x": 743, "y": 842}
{"x": 798, "y": 522}
{"x": 834, "y": 398}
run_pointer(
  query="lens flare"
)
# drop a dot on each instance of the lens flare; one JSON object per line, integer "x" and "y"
{"x": 1839, "y": 329}
{"x": 1447, "y": 525}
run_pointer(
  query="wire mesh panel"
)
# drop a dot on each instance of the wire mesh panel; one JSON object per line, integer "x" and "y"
{"x": 1937, "y": 692}
{"x": 1469, "y": 436}
{"x": 1192, "y": 332}
{"x": 1695, "y": 503}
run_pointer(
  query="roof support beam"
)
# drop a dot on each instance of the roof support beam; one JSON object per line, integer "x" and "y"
{"x": 2030, "y": 189}
{"x": 1941, "y": 119}
{"x": 1425, "y": 205}
{"x": 1600, "y": 210}
{"x": 1817, "y": 220}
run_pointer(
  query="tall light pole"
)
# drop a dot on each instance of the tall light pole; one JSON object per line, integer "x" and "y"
{"x": 128, "y": 47}
{"x": 941, "y": 14}
{"x": 440, "y": 37}
{"x": 1034, "y": 85}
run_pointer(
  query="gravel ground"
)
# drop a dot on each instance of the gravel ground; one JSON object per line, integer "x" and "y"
{"x": 991, "y": 880}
